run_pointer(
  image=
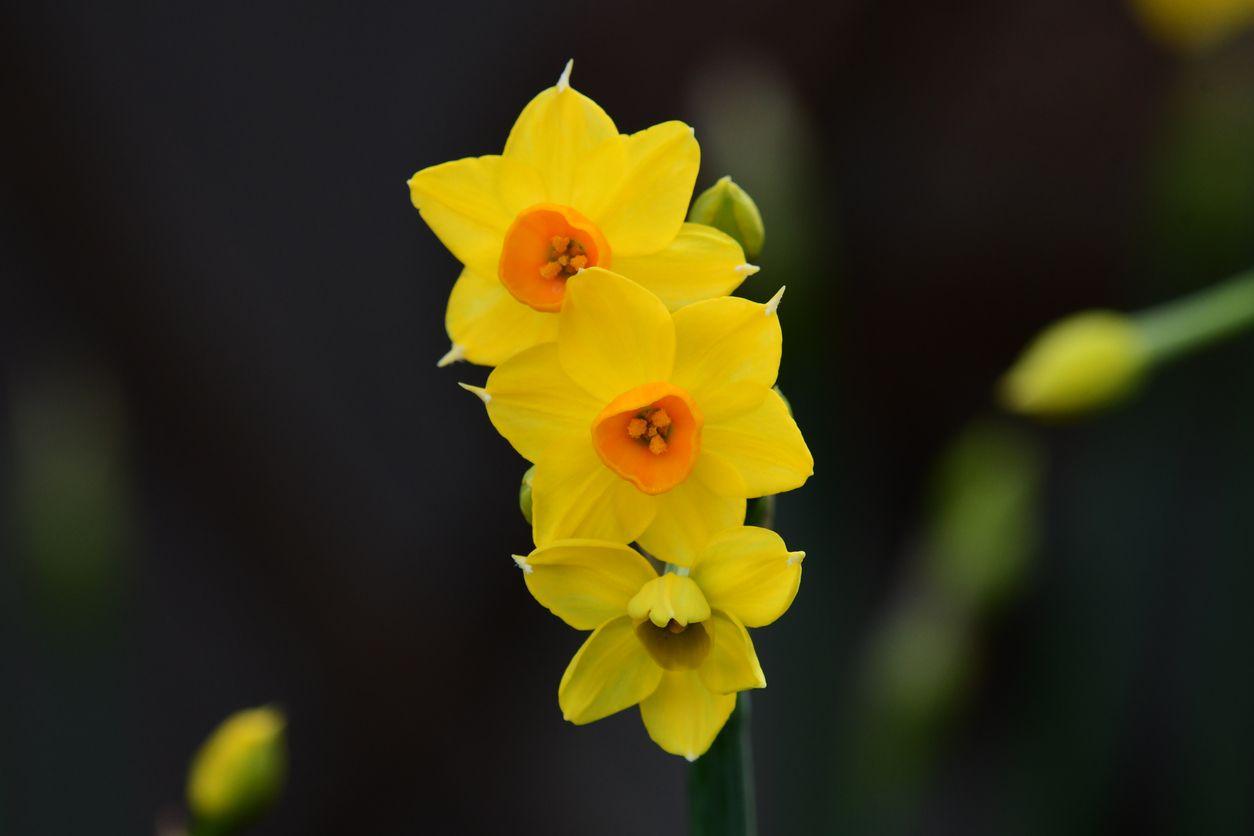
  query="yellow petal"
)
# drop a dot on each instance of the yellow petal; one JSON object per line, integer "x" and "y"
{"x": 683, "y": 716}
{"x": 535, "y": 405}
{"x": 668, "y": 598}
{"x": 732, "y": 664}
{"x": 489, "y": 324}
{"x": 764, "y": 446}
{"x": 749, "y": 573}
{"x": 613, "y": 335}
{"x": 687, "y": 517}
{"x": 727, "y": 354}
{"x": 637, "y": 187}
{"x": 469, "y": 204}
{"x": 574, "y": 495}
{"x": 585, "y": 582}
{"x": 612, "y": 671}
{"x": 701, "y": 262}
{"x": 554, "y": 133}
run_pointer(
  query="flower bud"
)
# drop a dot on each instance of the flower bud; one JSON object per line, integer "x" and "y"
{"x": 1084, "y": 362}
{"x": 524, "y": 493}
{"x": 1193, "y": 24}
{"x": 237, "y": 774}
{"x": 727, "y": 207}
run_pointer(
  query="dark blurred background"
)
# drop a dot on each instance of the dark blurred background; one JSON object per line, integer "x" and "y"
{"x": 231, "y": 474}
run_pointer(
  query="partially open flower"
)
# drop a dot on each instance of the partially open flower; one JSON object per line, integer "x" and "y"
{"x": 675, "y": 643}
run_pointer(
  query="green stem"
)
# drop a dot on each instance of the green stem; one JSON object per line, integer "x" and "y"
{"x": 720, "y": 782}
{"x": 1197, "y": 320}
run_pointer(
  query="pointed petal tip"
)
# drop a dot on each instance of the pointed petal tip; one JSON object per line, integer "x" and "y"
{"x": 563, "y": 81}
{"x": 690, "y": 757}
{"x": 478, "y": 391}
{"x": 455, "y": 353}
{"x": 773, "y": 305}
{"x": 746, "y": 270}
{"x": 795, "y": 558}
{"x": 522, "y": 563}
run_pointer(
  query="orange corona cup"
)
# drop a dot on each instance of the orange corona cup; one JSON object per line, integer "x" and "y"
{"x": 650, "y": 436}
{"x": 544, "y": 246}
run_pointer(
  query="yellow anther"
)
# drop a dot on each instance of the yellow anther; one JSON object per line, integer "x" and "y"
{"x": 675, "y": 627}
{"x": 560, "y": 242}
{"x": 636, "y": 427}
{"x": 657, "y": 445}
{"x": 579, "y": 262}
{"x": 660, "y": 419}
{"x": 550, "y": 270}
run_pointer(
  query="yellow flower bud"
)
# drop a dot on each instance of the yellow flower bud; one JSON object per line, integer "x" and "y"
{"x": 1193, "y": 24}
{"x": 727, "y": 207}
{"x": 1083, "y": 362}
{"x": 239, "y": 771}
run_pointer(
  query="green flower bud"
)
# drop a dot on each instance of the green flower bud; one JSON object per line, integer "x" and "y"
{"x": 524, "y": 493}
{"x": 727, "y": 207}
{"x": 237, "y": 774}
{"x": 1084, "y": 362}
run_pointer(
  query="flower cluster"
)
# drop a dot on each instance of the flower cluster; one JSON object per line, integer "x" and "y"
{"x": 642, "y": 393}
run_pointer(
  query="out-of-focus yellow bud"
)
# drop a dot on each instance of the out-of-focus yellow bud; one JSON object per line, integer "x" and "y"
{"x": 727, "y": 207}
{"x": 1193, "y": 24}
{"x": 239, "y": 771}
{"x": 524, "y": 493}
{"x": 1087, "y": 361}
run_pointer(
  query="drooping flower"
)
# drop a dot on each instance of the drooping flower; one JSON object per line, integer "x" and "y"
{"x": 676, "y": 643}
{"x": 568, "y": 192}
{"x": 646, "y": 425}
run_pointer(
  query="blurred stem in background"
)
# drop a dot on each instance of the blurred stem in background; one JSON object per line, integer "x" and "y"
{"x": 982, "y": 533}
{"x": 1094, "y": 359}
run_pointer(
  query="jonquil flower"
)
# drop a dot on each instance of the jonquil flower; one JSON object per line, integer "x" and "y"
{"x": 568, "y": 192}
{"x": 676, "y": 643}
{"x": 646, "y": 425}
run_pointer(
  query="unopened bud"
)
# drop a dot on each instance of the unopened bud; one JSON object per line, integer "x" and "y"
{"x": 524, "y": 493}
{"x": 727, "y": 207}
{"x": 1084, "y": 362}
{"x": 1193, "y": 24}
{"x": 239, "y": 771}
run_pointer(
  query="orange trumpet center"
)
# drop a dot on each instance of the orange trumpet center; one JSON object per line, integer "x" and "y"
{"x": 650, "y": 436}
{"x": 544, "y": 246}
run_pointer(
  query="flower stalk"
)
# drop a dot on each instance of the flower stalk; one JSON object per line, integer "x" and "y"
{"x": 720, "y": 783}
{"x": 1200, "y": 319}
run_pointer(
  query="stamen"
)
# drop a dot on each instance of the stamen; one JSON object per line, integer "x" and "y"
{"x": 674, "y": 626}
{"x": 657, "y": 445}
{"x": 635, "y": 427}
{"x": 660, "y": 419}
{"x": 566, "y": 258}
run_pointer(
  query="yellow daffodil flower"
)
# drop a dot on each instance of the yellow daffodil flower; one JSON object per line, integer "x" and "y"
{"x": 568, "y": 192}
{"x": 675, "y": 644}
{"x": 646, "y": 425}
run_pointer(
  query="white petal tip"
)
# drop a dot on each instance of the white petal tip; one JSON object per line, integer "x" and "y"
{"x": 690, "y": 757}
{"x": 478, "y": 391}
{"x": 773, "y": 305}
{"x": 795, "y": 558}
{"x": 747, "y": 270}
{"x": 523, "y": 564}
{"x": 563, "y": 81}
{"x": 456, "y": 353}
